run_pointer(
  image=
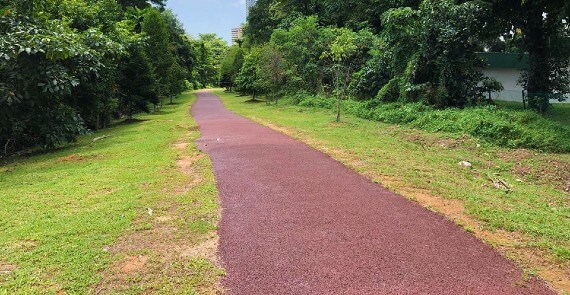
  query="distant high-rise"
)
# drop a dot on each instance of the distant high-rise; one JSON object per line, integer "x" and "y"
{"x": 237, "y": 35}
{"x": 249, "y": 4}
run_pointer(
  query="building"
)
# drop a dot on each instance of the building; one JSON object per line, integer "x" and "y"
{"x": 507, "y": 69}
{"x": 237, "y": 34}
{"x": 248, "y": 5}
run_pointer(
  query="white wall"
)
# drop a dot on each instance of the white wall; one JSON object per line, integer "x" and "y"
{"x": 509, "y": 78}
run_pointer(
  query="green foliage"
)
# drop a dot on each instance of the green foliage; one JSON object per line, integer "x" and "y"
{"x": 390, "y": 92}
{"x": 437, "y": 45}
{"x": 311, "y": 52}
{"x": 249, "y": 80}
{"x": 40, "y": 64}
{"x": 136, "y": 85}
{"x": 72, "y": 65}
{"x": 210, "y": 50}
{"x": 302, "y": 45}
{"x": 508, "y": 128}
{"x": 156, "y": 32}
{"x": 426, "y": 48}
{"x": 541, "y": 29}
{"x": 230, "y": 67}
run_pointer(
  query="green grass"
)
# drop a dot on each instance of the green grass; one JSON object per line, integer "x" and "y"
{"x": 560, "y": 112}
{"x": 503, "y": 127}
{"x": 60, "y": 211}
{"x": 407, "y": 159}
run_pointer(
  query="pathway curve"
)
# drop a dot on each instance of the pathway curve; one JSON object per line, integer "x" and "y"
{"x": 295, "y": 221}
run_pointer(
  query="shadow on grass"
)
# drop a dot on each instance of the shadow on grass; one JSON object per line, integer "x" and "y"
{"x": 36, "y": 152}
{"x": 133, "y": 121}
{"x": 254, "y": 101}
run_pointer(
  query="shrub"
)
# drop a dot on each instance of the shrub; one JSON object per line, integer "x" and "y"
{"x": 317, "y": 101}
{"x": 514, "y": 129}
{"x": 390, "y": 92}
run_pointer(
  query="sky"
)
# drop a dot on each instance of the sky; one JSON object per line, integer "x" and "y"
{"x": 209, "y": 16}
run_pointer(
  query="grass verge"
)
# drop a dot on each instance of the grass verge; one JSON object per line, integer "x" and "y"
{"x": 132, "y": 209}
{"x": 503, "y": 125}
{"x": 517, "y": 200}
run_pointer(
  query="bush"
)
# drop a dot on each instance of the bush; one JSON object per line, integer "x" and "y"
{"x": 390, "y": 92}
{"x": 513, "y": 129}
{"x": 317, "y": 101}
{"x": 189, "y": 85}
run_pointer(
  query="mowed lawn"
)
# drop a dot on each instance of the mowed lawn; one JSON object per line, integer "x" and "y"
{"x": 516, "y": 200}
{"x": 95, "y": 216}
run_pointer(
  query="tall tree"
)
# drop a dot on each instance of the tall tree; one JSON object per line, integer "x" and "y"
{"x": 433, "y": 52}
{"x": 158, "y": 47}
{"x": 230, "y": 67}
{"x": 136, "y": 83}
{"x": 543, "y": 27}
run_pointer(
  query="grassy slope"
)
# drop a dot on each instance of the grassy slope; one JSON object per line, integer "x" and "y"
{"x": 560, "y": 112}
{"x": 61, "y": 212}
{"x": 530, "y": 224}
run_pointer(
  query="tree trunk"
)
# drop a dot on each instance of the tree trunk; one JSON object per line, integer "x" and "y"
{"x": 338, "y": 97}
{"x": 539, "y": 67}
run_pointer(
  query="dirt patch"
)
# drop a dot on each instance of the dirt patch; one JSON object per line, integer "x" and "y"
{"x": 206, "y": 249}
{"x": 6, "y": 268}
{"x": 133, "y": 264}
{"x": 540, "y": 169}
{"x": 186, "y": 164}
{"x": 77, "y": 158}
{"x": 517, "y": 155}
{"x": 156, "y": 255}
{"x": 181, "y": 146}
{"x": 437, "y": 142}
{"x": 24, "y": 245}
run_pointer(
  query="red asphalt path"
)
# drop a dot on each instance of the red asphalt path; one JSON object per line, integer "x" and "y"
{"x": 295, "y": 221}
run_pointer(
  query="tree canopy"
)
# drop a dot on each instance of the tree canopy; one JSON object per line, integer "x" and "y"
{"x": 415, "y": 50}
{"x": 71, "y": 66}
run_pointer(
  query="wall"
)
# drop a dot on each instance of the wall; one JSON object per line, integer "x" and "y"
{"x": 509, "y": 78}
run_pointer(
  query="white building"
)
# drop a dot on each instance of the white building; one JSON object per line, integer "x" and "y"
{"x": 507, "y": 69}
{"x": 248, "y": 5}
{"x": 237, "y": 34}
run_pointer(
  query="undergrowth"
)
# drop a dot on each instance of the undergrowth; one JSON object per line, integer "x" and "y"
{"x": 503, "y": 127}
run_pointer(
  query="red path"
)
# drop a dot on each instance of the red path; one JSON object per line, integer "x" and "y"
{"x": 295, "y": 221}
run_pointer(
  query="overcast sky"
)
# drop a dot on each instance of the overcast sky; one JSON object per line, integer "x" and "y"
{"x": 209, "y": 16}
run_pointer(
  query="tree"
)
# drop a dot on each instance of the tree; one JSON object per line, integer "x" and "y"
{"x": 272, "y": 68}
{"x": 340, "y": 53}
{"x": 155, "y": 29}
{"x": 136, "y": 83}
{"x": 211, "y": 49}
{"x": 141, "y": 3}
{"x": 542, "y": 26}
{"x": 41, "y": 62}
{"x": 302, "y": 45}
{"x": 433, "y": 52}
{"x": 66, "y": 66}
{"x": 230, "y": 67}
{"x": 249, "y": 80}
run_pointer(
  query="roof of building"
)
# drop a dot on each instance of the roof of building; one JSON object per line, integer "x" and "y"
{"x": 504, "y": 60}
